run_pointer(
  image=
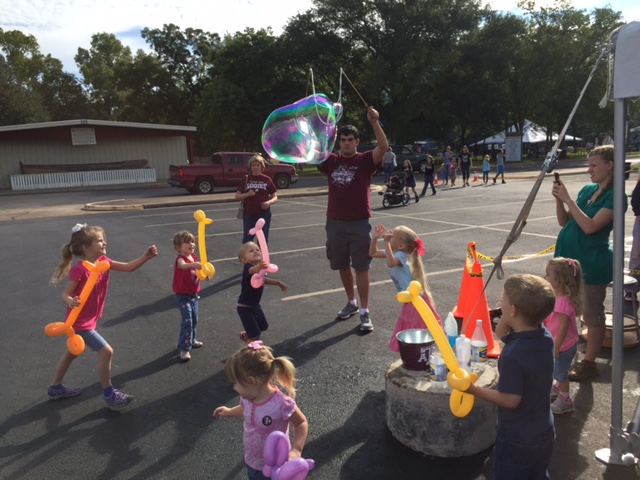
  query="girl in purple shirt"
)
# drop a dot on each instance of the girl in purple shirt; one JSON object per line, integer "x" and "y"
{"x": 254, "y": 372}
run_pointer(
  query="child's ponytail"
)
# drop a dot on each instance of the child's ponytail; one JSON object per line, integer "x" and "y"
{"x": 81, "y": 236}
{"x": 257, "y": 360}
{"x": 415, "y": 249}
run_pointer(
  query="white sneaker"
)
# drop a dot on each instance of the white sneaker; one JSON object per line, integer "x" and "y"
{"x": 365, "y": 322}
{"x": 560, "y": 405}
{"x": 185, "y": 356}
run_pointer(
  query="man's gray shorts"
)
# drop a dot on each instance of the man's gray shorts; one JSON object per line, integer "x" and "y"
{"x": 348, "y": 243}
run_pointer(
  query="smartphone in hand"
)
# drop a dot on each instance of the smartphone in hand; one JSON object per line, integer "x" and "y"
{"x": 557, "y": 177}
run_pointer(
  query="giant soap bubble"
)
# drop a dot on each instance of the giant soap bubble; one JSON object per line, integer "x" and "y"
{"x": 303, "y": 132}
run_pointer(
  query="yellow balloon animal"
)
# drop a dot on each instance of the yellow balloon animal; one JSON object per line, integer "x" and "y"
{"x": 75, "y": 343}
{"x": 207, "y": 270}
{"x": 459, "y": 379}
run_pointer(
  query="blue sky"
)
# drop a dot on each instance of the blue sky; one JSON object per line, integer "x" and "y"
{"x": 62, "y": 26}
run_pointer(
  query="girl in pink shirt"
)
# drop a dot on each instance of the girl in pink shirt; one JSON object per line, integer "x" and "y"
{"x": 254, "y": 370}
{"x": 565, "y": 276}
{"x": 90, "y": 244}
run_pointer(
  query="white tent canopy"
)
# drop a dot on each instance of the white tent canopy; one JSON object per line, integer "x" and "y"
{"x": 531, "y": 133}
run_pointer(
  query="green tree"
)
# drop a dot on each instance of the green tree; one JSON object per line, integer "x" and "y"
{"x": 17, "y": 105}
{"x": 566, "y": 42}
{"x": 188, "y": 58}
{"x": 397, "y": 54}
{"x": 101, "y": 66}
{"x": 250, "y": 80}
{"x": 34, "y": 87}
{"x": 149, "y": 93}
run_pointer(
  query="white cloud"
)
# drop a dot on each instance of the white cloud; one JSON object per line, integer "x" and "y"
{"x": 629, "y": 8}
{"x": 62, "y": 26}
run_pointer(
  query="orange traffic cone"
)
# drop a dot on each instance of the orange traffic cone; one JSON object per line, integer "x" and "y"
{"x": 475, "y": 176}
{"x": 472, "y": 302}
{"x": 435, "y": 182}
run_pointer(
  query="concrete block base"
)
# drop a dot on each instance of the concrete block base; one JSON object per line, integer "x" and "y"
{"x": 419, "y": 417}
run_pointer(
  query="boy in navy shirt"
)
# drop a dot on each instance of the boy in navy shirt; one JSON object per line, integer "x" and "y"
{"x": 525, "y": 433}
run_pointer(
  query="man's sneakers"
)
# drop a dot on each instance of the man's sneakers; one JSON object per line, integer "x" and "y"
{"x": 185, "y": 356}
{"x": 365, "y": 322}
{"x": 118, "y": 399}
{"x": 61, "y": 391}
{"x": 348, "y": 311}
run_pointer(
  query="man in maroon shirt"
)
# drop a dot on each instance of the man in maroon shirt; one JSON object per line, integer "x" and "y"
{"x": 348, "y": 212}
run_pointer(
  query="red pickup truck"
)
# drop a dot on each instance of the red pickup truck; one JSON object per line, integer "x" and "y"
{"x": 227, "y": 169}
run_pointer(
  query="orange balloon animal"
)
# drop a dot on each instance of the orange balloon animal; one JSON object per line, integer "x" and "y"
{"x": 75, "y": 343}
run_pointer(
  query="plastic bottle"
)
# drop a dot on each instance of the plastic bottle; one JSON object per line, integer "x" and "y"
{"x": 463, "y": 352}
{"x": 437, "y": 368}
{"x": 478, "y": 347}
{"x": 451, "y": 329}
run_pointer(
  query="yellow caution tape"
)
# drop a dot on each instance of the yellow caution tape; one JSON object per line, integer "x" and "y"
{"x": 518, "y": 258}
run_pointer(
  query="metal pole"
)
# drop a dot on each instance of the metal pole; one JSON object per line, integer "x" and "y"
{"x": 618, "y": 451}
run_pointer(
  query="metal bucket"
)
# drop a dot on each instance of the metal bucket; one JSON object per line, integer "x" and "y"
{"x": 415, "y": 347}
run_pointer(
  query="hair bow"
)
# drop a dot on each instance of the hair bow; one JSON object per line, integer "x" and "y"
{"x": 572, "y": 262}
{"x": 420, "y": 247}
{"x": 77, "y": 227}
{"x": 256, "y": 345}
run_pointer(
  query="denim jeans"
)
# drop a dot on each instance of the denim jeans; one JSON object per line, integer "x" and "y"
{"x": 249, "y": 222}
{"x": 515, "y": 461}
{"x": 188, "y": 306}
{"x": 465, "y": 168}
{"x": 388, "y": 171}
{"x": 253, "y": 474}
{"x": 428, "y": 181}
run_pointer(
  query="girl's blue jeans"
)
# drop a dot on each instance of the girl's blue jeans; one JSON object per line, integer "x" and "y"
{"x": 188, "y": 306}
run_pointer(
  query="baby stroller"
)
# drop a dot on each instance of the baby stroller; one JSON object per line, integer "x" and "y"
{"x": 394, "y": 194}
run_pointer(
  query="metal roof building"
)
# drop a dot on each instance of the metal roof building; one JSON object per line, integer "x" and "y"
{"x": 76, "y": 142}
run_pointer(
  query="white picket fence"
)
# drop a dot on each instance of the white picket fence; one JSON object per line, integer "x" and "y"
{"x": 37, "y": 181}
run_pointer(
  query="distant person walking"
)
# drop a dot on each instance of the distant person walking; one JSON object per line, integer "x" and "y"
{"x": 429, "y": 172}
{"x": 486, "y": 168}
{"x": 410, "y": 179}
{"x": 389, "y": 163}
{"x": 453, "y": 170}
{"x": 448, "y": 158}
{"x": 466, "y": 162}
{"x": 500, "y": 163}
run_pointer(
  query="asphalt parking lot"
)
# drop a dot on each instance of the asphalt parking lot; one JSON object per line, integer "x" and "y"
{"x": 168, "y": 432}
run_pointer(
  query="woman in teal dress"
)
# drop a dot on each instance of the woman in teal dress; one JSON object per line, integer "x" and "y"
{"x": 586, "y": 225}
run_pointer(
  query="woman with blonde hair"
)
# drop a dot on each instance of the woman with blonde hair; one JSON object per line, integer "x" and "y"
{"x": 258, "y": 192}
{"x": 586, "y": 224}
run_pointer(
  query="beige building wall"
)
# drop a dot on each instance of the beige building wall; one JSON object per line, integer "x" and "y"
{"x": 159, "y": 151}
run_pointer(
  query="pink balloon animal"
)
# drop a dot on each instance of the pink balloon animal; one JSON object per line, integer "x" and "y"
{"x": 257, "y": 280}
{"x": 276, "y": 453}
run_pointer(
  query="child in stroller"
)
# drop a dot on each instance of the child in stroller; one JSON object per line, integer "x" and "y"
{"x": 394, "y": 194}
